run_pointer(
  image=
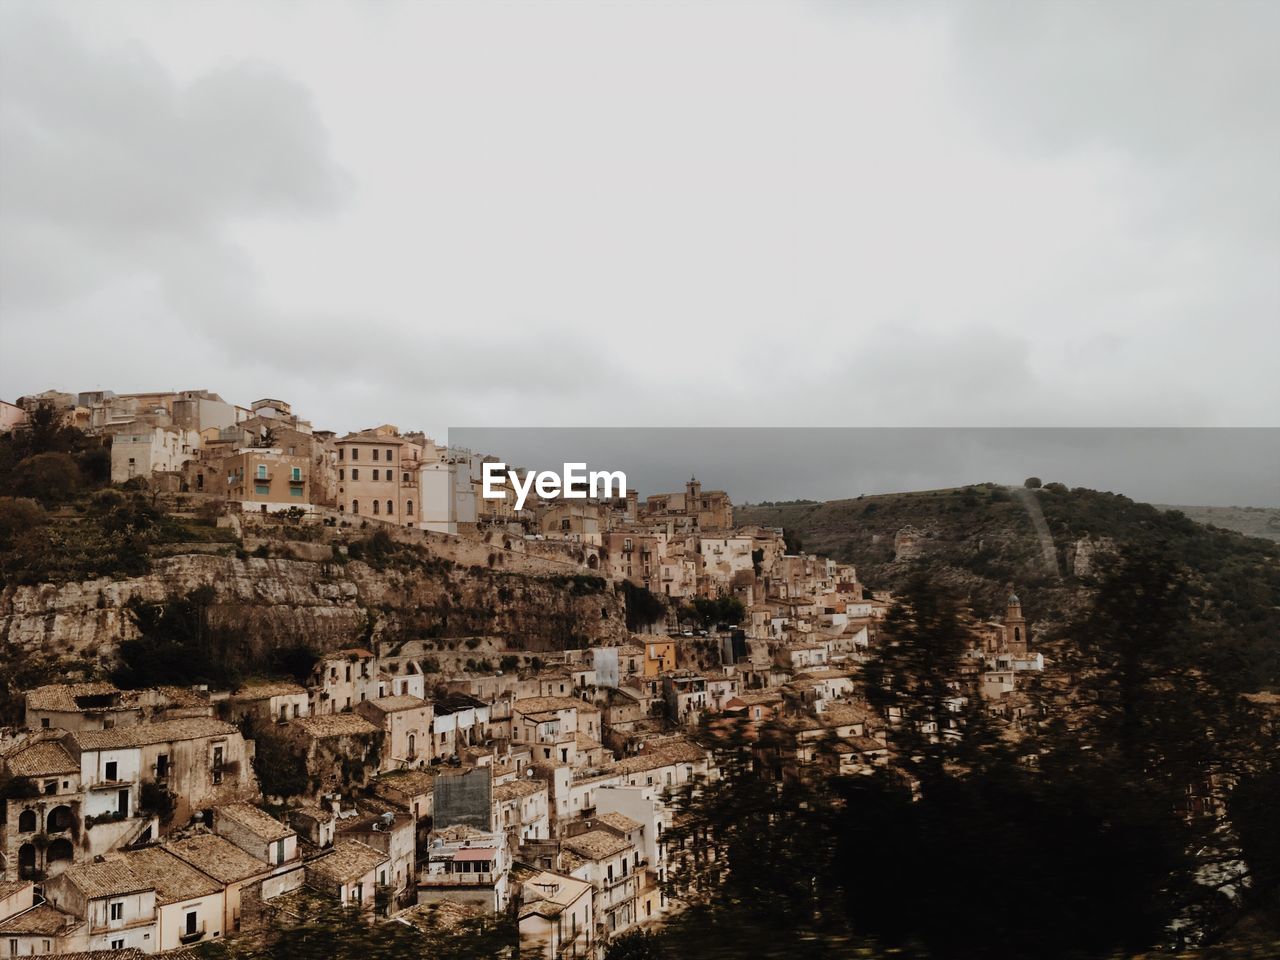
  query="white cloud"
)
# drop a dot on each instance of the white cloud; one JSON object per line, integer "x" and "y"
{"x": 770, "y": 213}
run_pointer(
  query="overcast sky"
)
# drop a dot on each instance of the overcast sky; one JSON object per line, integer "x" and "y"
{"x": 800, "y": 213}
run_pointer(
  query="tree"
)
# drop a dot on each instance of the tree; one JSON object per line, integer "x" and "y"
{"x": 176, "y": 644}
{"x": 1031, "y": 483}
{"x": 51, "y": 478}
{"x": 17, "y": 516}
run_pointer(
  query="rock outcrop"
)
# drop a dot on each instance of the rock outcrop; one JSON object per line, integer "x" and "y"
{"x": 322, "y": 605}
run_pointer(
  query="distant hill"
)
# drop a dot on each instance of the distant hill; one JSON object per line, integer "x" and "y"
{"x": 1251, "y": 521}
{"x": 983, "y": 540}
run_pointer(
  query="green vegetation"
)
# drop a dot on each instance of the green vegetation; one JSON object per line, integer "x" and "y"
{"x": 979, "y": 540}
{"x": 326, "y": 931}
{"x": 707, "y": 612}
{"x": 1092, "y": 840}
{"x": 643, "y": 607}
{"x": 281, "y": 767}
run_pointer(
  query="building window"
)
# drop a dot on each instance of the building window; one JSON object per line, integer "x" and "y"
{"x": 355, "y": 473}
{"x": 375, "y": 508}
{"x": 262, "y": 489}
{"x": 297, "y": 473}
{"x": 390, "y": 508}
{"x": 117, "y": 944}
{"x": 355, "y": 506}
{"x": 341, "y": 474}
{"x": 408, "y": 507}
{"x": 262, "y": 471}
{"x": 109, "y": 770}
{"x": 389, "y": 458}
{"x": 375, "y": 474}
{"x": 355, "y": 453}
{"x": 404, "y": 478}
{"x": 375, "y": 453}
{"x": 217, "y": 765}
{"x": 117, "y": 910}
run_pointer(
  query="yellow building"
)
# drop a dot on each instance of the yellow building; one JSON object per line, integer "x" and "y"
{"x": 659, "y": 655}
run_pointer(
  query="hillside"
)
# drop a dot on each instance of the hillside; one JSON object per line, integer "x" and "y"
{"x": 1251, "y": 521}
{"x": 982, "y": 540}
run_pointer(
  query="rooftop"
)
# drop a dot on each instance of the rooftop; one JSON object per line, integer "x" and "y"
{"x": 596, "y": 844}
{"x": 106, "y": 878}
{"x": 173, "y": 879}
{"x": 514, "y": 789}
{"x": 619, "y": 821}
{"x": 350, "y": 860}
{"x": 73, "y": 697}
{"x": 166, "y": 731}
{"x": 406, "y": 781}
{"x": 551, "y": 704}
{"x": 216, "y": 856}
{"x": 261, "y": 824}
{"x": 550, "y": 893}
{"x": 400, "y": 702}
{"x": 44, "y": 759}
{"x": 265, "y": 689}
{"x": 335, "y": 725}
{"x": 42, "y": 921}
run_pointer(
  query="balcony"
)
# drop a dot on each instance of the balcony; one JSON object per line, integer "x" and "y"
{"x": 475, "y": 879}
{"x": 192, "y": 936}
{"x": 297, "y": 481}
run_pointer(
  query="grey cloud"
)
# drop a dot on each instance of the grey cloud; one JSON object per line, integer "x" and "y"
{"x": 112, "y": 169}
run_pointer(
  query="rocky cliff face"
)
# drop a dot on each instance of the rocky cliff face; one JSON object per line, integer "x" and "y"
{"x": 276, "y": 602}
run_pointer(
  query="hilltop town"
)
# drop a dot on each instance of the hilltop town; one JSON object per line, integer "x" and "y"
{"x": 380, "y": 777}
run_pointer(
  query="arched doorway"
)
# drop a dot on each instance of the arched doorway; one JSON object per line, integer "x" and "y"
{"x": 27, "y": 821}
{"x": 27, "y": 862}
{"x": 59, "y": 819}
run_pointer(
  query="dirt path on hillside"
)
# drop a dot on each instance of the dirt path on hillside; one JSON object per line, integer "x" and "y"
{"x": 1031, "y": 503}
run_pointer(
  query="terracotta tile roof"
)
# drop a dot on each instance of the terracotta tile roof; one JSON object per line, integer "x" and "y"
{"x": 217, "y": 856}
{"x": 596, "y": 844}
{"x": 267, "y": 689}
{"x": 550, "y": 704}
{"x": 173, "y": 879}
{"x": 556, "y": 893}
{"x": 350, "y": 860}
{"x": 619, "y": 821}
{"x": 40, "y": 921}
{"x": 513, "y": 789}
{"x": 166, "y": 731}
{"x": 44, "y": 759}
{"x": 184, "y": 696}
{"x": 261, "y": 824}
{"x": 335, "y": 725}
{"x": 399, "y": 702}
{"x": 128, "y": 953}
{"x": 407, "y": 781}
{"x": 107, "y": 878}
{"x": 62, "y": 697}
